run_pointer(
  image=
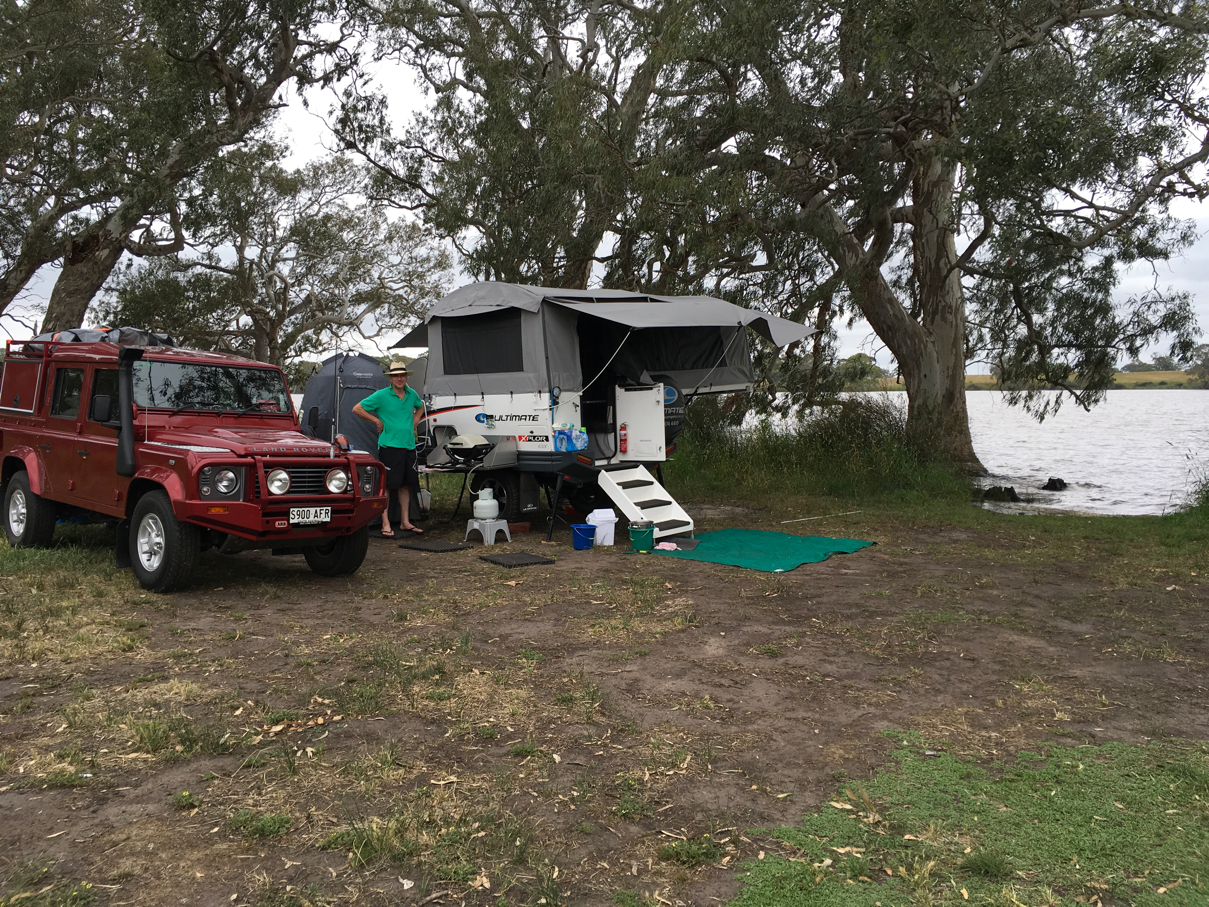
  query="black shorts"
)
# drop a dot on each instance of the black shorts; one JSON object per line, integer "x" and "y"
{"x": 400, "y": 463}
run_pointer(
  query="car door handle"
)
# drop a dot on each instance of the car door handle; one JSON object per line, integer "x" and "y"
{"x": 82, "y": 453}
{"x": 44, "y": 446}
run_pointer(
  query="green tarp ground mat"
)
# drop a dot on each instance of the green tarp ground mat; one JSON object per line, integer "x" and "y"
{"x": 774, "y": 552}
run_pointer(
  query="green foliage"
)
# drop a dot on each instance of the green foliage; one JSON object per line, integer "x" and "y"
{"x": 185, "y": 800}
{"x": 858, "y": 448}
{"x": 314, "y": 265}
{"x": 122, "y": 104}
{"x": 1115, "y": 822}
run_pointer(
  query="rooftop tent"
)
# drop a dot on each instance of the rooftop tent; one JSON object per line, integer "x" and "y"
{"x": 354, "y": 376}
{"x": 501, "y": 338}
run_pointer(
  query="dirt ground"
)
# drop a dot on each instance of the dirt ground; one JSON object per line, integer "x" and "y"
{"x": 439, "y": 730}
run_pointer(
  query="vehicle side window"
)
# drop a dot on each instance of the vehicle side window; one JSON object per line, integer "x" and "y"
{"x": 69, "y": 387}
{"x": 104, "y": 382}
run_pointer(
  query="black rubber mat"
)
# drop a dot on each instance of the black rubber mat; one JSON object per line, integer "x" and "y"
{"x": 435, "y": 546}
{"x": 515, "y": 559}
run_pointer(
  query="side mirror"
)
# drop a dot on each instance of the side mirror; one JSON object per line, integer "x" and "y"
{"x": 312, "y": 419}
{"x": 102, "y": 408}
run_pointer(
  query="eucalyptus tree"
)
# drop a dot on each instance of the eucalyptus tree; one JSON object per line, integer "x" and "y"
{"x": 110, "y": 105}
{"x": 538, "y": 138}
{"x": 282, "y": 263}
{"x": 975, "y": 175}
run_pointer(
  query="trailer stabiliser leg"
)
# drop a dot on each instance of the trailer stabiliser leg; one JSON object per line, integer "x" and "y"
{"x": 462, "y": 491}
{"x": 558, "y": 490}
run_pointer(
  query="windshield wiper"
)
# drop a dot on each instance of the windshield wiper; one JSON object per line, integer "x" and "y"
{"x": 196, "y": 405}
{"x": 259, "y": 409}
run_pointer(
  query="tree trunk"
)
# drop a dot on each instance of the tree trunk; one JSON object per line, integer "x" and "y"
{"x": 85, "y": 269}
{"x": 937, "y": 415}
{"x": 930, "y": 352}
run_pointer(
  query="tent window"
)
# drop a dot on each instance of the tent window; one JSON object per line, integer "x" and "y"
{"x": 482, "y": 344}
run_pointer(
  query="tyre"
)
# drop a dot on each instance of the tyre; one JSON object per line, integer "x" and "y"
{"x": 163, "y": 551}
{"x": 341, "y": 556}
{"x": 505, "y": 484}
{"x": 29, "y": 519}
{"x": 589, "y": 497}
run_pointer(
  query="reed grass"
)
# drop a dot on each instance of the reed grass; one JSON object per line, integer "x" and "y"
{"x": 857, "y": 449}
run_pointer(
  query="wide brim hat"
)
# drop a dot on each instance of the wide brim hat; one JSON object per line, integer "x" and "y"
{"x": 397, "y": 367}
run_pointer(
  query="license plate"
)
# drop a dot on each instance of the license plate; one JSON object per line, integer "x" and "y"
{"x": 306, "y": 516}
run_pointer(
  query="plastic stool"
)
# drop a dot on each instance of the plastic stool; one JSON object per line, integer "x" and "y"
{"x": 488, "y": 529}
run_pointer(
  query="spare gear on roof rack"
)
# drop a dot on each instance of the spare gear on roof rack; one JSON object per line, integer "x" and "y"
{"x": 126, "y": 336}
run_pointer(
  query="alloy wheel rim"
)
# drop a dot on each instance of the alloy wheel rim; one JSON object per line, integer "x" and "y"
{"x": 18, "y": 513}
{"x": 150, "y": 542}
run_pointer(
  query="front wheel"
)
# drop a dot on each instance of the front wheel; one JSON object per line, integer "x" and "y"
{"x": 29, "y": 519}
{"x": 163, "y": 550}
{"x": 341, "y": 556}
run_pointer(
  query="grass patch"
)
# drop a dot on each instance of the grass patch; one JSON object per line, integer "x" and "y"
{"x": 452, "y": 843}
{"x": 33, "y": 884}
{"x": 693, "y": 852}
{"x": 252, "y": 824}
{"x": 1116, "y": 824}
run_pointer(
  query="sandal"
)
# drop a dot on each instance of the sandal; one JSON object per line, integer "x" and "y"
{"x": 412, "y": 529}
{"x": 387, "y": 534}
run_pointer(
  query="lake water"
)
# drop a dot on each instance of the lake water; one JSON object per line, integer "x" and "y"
{"x": 1138, "y": 452}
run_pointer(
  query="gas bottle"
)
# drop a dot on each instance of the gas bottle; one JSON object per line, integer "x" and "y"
{"x": 486, "y": 507}
{"x": 622, "y": 445}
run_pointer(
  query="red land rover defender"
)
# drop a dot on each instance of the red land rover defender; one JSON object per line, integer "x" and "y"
{"x": 181, "y": 450}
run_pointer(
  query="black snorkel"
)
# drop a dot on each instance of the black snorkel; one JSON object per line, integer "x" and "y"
{"x": 127, "y": 356}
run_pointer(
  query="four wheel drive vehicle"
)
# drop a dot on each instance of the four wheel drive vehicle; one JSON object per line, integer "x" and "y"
{"x": 181, "y": 451}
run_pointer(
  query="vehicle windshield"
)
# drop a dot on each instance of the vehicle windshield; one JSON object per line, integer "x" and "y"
{"x": 225, "y": 388}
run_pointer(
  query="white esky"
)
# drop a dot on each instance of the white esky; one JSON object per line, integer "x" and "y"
{"x": 306, "y": 132}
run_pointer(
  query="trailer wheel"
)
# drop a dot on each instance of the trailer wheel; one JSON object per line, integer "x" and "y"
{"x": 340, "y": 556}
{"x": 163, "y": 550}
{"x": 29, "y": 519}
{"x": 505, "y": 484}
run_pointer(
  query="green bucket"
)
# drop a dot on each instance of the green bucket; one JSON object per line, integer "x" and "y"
{"x": 642, "y": 535}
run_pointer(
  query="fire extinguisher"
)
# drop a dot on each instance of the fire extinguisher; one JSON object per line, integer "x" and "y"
{"x": 622, "y": 445}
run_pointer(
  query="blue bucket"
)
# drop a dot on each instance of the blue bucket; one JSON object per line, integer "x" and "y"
{"x": 582, "y": 536}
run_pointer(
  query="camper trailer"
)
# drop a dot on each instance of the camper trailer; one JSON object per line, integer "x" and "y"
{"x": 587, "y": 387}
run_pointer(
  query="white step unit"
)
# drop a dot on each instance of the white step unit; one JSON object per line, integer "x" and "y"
{"x": 639, "y": 497}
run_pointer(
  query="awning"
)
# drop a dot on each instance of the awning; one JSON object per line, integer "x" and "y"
{"x": 417, "y": 337}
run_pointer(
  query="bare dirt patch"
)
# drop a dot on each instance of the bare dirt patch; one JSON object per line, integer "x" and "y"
{"x": 438, "y": 730}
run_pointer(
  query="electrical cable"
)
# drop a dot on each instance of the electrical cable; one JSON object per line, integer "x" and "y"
{"x": 580, "y": 392}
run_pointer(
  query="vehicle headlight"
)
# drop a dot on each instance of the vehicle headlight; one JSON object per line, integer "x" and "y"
{"x": 336, "y": 481}
{"x": 279, "y": 481}
{"x": 369, "y": 479}
{"x": 226, "y": 481}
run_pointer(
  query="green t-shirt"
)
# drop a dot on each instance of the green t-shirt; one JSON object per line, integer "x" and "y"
{"x": 397, "y": 415}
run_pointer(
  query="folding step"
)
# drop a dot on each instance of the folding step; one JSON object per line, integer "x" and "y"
{"x": 636, "y": 494}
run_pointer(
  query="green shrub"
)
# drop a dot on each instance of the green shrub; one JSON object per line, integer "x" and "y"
{"x": 856, "y": 448}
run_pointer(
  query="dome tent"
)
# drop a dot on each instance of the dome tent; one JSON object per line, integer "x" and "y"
{"x": 349, "y": 377}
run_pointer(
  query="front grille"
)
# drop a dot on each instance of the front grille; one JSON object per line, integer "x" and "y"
{"x": 307, "y": 479}
{"x": 304, "y": 480}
